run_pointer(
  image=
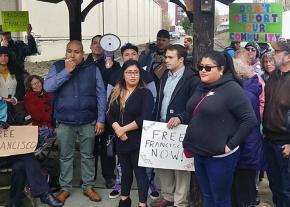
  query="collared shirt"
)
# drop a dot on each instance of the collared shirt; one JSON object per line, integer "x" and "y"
{"x": 169, "y": 87}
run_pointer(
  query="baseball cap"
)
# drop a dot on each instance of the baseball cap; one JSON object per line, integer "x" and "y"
{"x": 281, "y": 45}
{"x": 163, "y": 34}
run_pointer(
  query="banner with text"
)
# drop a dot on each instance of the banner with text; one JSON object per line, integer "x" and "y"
{"x": 14, "y": 21}
{"x": 18, "y": 140}
{"x": 256, "y": 22}
{"x": 162, "y": 147}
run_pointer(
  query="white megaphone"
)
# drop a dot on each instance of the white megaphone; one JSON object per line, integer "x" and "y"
{"x": 110, "y": 43}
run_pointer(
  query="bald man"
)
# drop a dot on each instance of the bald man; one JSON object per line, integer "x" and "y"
{"x": 79, "y": 110}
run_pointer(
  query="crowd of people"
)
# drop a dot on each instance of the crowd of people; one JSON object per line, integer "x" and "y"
{"x": 236, "y": 104}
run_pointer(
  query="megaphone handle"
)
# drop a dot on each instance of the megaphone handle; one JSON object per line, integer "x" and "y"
{"x": 109, "y": 62}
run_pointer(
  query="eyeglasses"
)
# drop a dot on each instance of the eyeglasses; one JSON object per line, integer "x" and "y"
{"x": 207, "y": 68}
{"x": 129, "y": 73}
{"x": 250, "y": 49}
{"x": 278, "y": 51}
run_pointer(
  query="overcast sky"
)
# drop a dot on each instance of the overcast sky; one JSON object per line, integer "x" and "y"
{"x": 222, "y": 8}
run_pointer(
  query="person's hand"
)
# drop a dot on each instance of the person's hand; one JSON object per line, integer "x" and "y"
{"x": 124, "y": 137}
{"x": 11, "y": 100}
{"x": 227, "y": 149}
{"x": 173, "y": 122}
{"x": 99, "y": 128}
{"x": 120, "y": 132}
{"x": 115, "y": 125}
{"x": 109, "y": 62}
{"x": 4, "y": 42}
{"x": 286, "y": 150}
{"x": 29, "y": 29}
{"x": 70, "y": 65}
{"x": 147, "y": 49}
{"x": 160, "y": 58}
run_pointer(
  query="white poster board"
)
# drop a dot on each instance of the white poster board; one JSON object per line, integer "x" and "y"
{"x": 18, "y": 140}
{"x": 162, "y": 147}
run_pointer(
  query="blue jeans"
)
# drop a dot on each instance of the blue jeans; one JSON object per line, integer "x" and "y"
{"x": 278, "y": 174}
{"x": 215, "y": 177}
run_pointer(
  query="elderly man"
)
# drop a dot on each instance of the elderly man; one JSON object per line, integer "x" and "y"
{"x": 79, "y": 109}
{"x": 277, "y": 125}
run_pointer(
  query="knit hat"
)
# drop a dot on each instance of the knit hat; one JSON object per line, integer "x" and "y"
{"x": 128, "y": 46}
{"x": 163, "y": 34}
{"x": 254, "y": 45}
{"x": 4, "y": 50}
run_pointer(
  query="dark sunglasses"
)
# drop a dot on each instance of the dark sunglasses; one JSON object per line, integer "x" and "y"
{"x": 207, "y": 68}
{"x": 250, "y": 49}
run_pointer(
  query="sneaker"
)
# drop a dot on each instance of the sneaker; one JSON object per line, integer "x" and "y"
{"x": 116, "y": 192}
{"x": 153, "y": 193}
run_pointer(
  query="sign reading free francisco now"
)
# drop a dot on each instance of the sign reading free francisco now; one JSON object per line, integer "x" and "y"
{"x": 14, "y": 21}
{"x": 256, "y": 22}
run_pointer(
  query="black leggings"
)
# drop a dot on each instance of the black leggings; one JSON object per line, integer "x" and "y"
{"x": 244, "y": 188}
{"x": 129, "y": 163}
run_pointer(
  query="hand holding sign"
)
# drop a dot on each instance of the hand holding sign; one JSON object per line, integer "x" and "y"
{"x": 162, "y": 147}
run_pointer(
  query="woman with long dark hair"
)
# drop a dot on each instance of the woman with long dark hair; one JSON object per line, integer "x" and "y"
{"x": 129, "y": 104}
{"x": 221, "y": 118}
{"x": 11, "y": 78}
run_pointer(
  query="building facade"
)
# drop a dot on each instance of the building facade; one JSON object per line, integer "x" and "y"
{"x": 135, "y": 21}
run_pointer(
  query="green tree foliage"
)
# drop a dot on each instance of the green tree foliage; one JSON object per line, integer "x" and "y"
{"x": 166, "y": 22}
{"x": 187, "y": 26}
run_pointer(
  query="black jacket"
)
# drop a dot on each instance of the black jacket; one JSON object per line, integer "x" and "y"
{"x": 224, "y": 117}
{"x": 107, "y": 74}
{"x": 138, "y": 107}
{"x": 182, "y": 92}
{"x": 21, "y": 50}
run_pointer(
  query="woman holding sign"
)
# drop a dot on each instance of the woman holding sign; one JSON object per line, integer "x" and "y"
{"x": 129, "y": 104}
{"x": 221, "y": 118}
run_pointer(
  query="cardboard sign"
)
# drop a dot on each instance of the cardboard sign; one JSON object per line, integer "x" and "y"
{"x": 256, "y": 22}
{"x": 18, "y": 140}
{"x": 162, "y": 147}
{"x": 14, "y": 21}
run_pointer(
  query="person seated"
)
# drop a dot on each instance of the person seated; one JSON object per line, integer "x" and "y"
{"x": 38, "y": 104}
{"x": 26, "y": 169}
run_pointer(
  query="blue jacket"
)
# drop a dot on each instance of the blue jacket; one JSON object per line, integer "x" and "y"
{"x": 80, "y": 96}
{"x": 252, "y": 149}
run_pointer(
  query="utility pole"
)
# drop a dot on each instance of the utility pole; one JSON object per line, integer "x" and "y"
{"x": 203, "y": 27}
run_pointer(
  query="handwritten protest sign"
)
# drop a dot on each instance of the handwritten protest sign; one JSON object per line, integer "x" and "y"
{"x": 18, "y": 140}
{"x": 162, "y": 147}
{"x": 14, "y": 21}
{"x": 256, "y": 22}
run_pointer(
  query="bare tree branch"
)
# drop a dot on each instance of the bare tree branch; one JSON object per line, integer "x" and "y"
{"x": 88, "y": 8}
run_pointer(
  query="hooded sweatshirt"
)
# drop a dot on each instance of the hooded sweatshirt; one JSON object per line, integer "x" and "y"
{"x": 224, "y": 117}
